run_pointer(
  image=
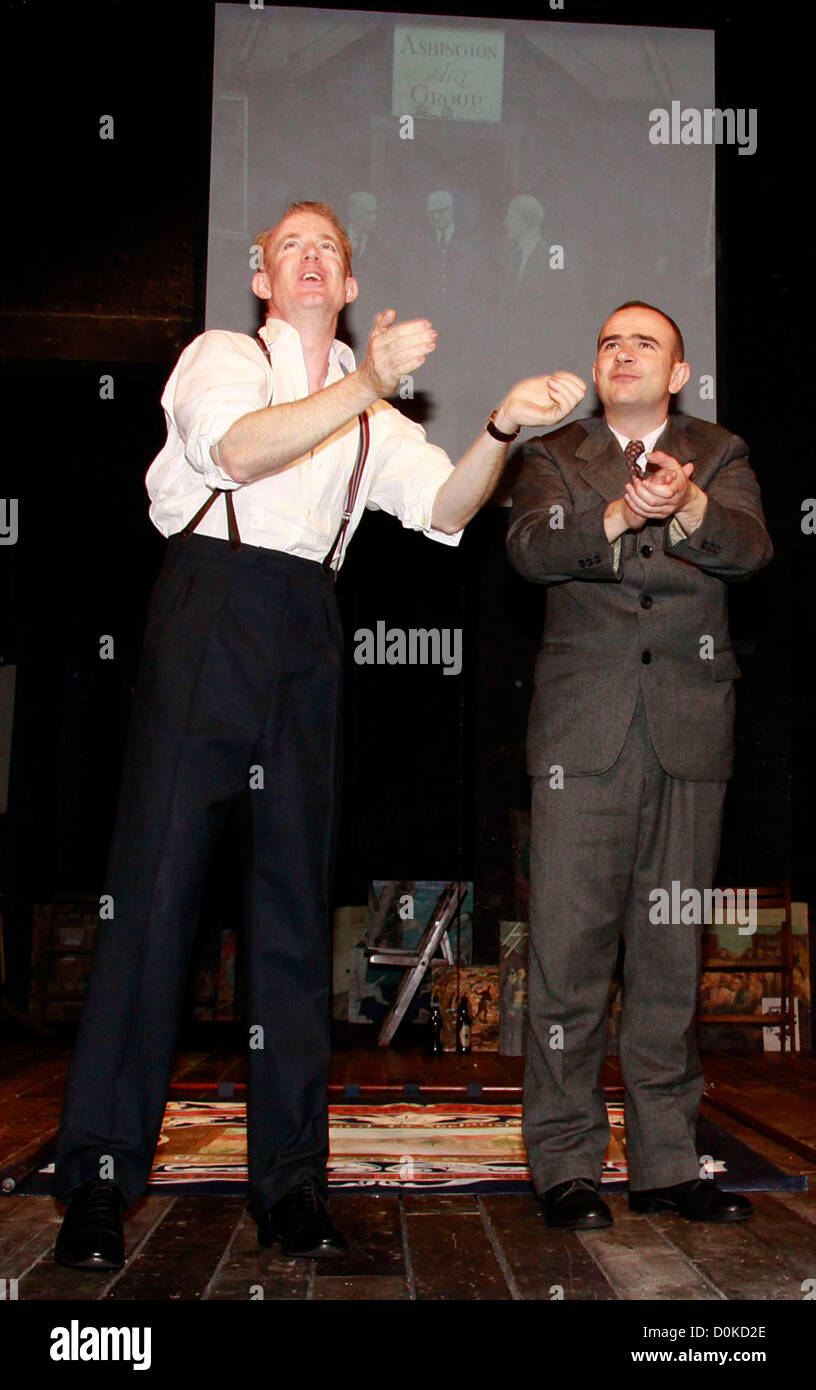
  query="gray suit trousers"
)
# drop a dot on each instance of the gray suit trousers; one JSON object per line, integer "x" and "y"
{"x": 600, "y": 845}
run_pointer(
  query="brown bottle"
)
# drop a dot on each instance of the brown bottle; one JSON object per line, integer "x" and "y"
{"x": 437, "y": 1047}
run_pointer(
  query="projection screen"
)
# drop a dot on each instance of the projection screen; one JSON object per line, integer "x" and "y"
{"x": 497, "y": 177}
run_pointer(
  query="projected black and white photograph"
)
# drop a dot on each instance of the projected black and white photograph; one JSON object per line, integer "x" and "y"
{"x": 497, "y": 178}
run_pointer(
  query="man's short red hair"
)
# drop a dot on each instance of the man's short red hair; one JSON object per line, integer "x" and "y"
{"x": 320, "y": 210}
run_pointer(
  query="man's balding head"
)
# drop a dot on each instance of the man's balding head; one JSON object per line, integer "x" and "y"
{"x": 524, "y": 217}
{"x": 678, "y": 349}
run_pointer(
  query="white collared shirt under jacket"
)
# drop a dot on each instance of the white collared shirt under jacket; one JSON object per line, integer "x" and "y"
{"x": 222, "y": 376}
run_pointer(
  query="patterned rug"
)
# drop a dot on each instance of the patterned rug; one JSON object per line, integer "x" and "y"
{"x": 435, "y": 1147}
{"x": 408, "y": 1146}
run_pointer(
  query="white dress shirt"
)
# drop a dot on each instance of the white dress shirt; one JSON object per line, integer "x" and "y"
{"x": 222, "y": 376}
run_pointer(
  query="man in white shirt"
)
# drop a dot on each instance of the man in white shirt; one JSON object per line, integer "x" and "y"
{"x": 630, "y": 747}
{"x": 238, "y": 700}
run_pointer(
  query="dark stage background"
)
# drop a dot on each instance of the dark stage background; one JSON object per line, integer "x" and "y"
{"x": 104, "y": 272}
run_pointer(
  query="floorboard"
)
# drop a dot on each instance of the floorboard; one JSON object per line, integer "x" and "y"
{"x": 643, "y": 1262}
{"x": 183, "y": 1252}
{"x": 248, "y": 1272}
{"x": 543, "y": 1264}
{"x": 428, "y": 1247}
{"x": 452, "y": 1257}
{"x": 738, "y": 1265}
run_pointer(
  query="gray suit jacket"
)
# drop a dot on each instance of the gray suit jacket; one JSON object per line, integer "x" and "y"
{"x": 658, "y": 624}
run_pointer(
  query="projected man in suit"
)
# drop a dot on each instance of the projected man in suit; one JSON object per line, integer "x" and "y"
{"x": 448, "y": 264}
{"x": 535, "y": 297}
{"x": 630, "y": 748}
{"x": 372, "y": 264}
{"x": 362, "y": 221}
{"x": 527, "y": 259}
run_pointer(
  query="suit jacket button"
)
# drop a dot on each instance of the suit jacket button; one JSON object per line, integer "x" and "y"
{"x": 646, "y": 658}
{"x": 646, "y": 551}
{"x": 646, "y": 601}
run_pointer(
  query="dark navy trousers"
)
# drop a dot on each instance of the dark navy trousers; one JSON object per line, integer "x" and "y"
{"x": 238, "y": 696}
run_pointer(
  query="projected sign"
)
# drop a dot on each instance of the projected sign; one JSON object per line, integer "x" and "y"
{"x": 451, "y": 74}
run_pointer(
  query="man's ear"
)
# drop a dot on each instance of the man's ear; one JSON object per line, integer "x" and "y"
{"x": 261, "y": 286}
{"x": 681, "y": 371}
{"x": 595, "y": 373}
{"x": 352, "y": 289}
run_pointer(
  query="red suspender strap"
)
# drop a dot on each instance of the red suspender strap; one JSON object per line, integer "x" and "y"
{"x": 351, "y": 494}
{"x": 348, "y": 508}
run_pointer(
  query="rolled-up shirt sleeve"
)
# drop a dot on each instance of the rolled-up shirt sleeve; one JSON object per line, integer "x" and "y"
{"x": 216, "y": 381}
{"x": 407, "y": 472}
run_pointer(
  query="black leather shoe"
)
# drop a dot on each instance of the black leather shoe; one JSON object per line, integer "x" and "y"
{"x": 301, "y": 1224}
{"x": 575, "y": 1206}
{"x": 91, "y": 1233}
{"x": 698, "y": 1200}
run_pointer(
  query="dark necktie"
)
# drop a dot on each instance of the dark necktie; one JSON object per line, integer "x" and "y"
{"x": 633, "y": 451}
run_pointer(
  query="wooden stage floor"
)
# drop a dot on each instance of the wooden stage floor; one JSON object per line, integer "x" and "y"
{"x": 427, "y": 1247}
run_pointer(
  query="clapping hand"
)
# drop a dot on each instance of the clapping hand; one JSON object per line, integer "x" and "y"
{"x": 395, "y": 349}
{"x": 661, "y": 494}
{"x": 540, "y": 400}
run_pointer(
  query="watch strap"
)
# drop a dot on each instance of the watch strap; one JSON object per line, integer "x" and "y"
{"x": 495, "y": 433}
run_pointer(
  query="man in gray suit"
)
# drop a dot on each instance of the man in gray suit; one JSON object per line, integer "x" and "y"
{"x": 630, "y": 747}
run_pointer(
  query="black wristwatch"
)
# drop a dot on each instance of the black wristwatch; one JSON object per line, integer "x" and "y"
{"x": 496, "y": 433}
